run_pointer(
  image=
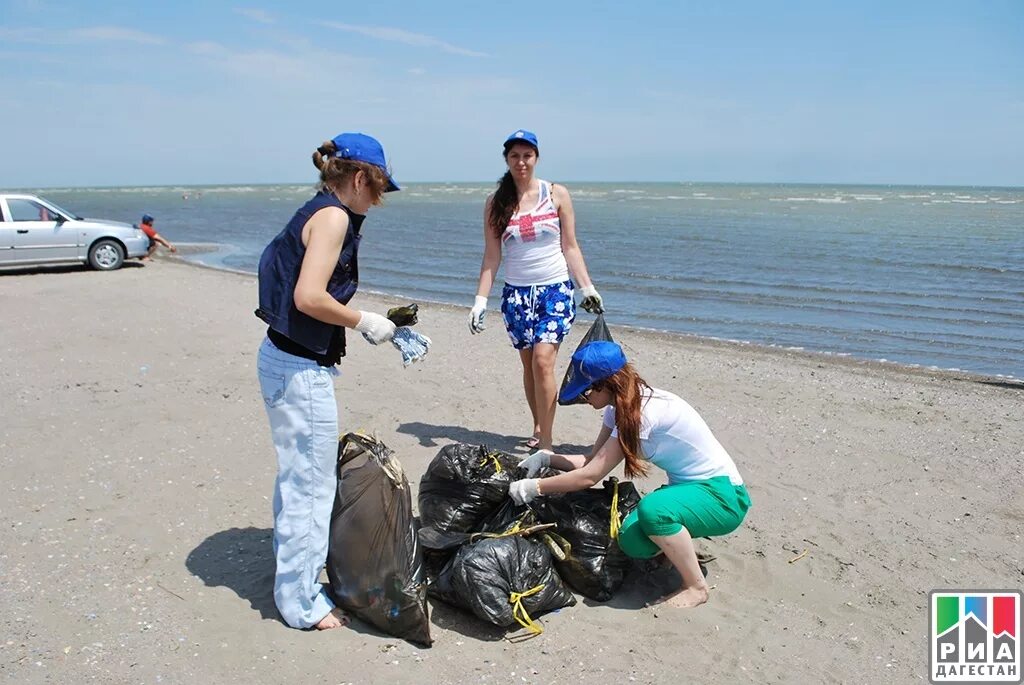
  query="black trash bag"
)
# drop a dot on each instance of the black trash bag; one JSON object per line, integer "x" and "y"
{"x": 505, "y": 580}
{"x": 463, "y": 485}
{"x": 374, "y": 561}
{"x": 598, "y": 331}
{"x": 594, "y": 565}
{"x": 439, "y": 548}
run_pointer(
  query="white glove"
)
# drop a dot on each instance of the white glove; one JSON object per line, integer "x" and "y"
{"x": 524, "y": 491}
{"x": 375, "y": 328}
{"x": 476, "y": 315}
{"x": 539, "y": 460}
{"x": 592, "y": 301}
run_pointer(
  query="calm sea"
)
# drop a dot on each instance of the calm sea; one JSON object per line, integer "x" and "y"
{"x": 930, "y": 276}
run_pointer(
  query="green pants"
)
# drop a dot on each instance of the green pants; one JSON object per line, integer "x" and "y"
{"x": 704, "y": 507}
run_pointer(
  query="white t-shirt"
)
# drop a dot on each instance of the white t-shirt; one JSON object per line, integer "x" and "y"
{"x": 675, "y": 438}
{"x": 532, "y": 244}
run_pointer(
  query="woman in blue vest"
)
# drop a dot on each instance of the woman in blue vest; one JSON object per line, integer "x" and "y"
{"x": 307, "y": 275}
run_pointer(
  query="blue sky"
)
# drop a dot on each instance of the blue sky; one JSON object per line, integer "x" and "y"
{"x": 130, "y": 93}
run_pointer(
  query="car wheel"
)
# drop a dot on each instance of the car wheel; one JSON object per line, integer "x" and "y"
{"x": 106, "y": 255}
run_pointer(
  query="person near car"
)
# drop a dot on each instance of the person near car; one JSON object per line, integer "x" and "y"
{"x": 154, "y": 238}
{"x": 705, "y": 495}
{"x": 307, "y": 276}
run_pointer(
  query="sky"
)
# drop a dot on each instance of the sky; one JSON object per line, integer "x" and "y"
{"x": 197, "y": 92}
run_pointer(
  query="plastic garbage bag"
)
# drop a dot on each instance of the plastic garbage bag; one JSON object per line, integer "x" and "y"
{"x": 507, "y": 579}
{"x": 588, "y": 521}
{"x": 374, "y": 561}
{"x": 598, "y": 331}
{"x": 463, "y": 485}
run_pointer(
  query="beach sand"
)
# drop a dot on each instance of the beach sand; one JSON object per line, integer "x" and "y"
{"x": 137, "y": 474}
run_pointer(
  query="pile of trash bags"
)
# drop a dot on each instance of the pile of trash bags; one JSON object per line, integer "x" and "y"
{"x": 508, "y": 564}
{"x": 475, "y": 548}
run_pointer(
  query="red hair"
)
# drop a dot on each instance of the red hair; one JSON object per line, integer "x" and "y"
{"x": 626, "y": 387}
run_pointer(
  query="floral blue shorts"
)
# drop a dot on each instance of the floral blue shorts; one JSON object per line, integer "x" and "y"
{"x": 537, "y": 313}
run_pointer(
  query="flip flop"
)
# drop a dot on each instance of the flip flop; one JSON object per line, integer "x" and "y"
{"x": 531, "y": 442}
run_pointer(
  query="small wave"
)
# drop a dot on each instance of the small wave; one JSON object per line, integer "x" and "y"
{"x": 820, "y": 200}
{"x": 970, "y": 202}
{"x": 677, "y": 197}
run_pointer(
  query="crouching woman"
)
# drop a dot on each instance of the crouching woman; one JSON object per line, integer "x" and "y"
{"x": 704, "y": 496}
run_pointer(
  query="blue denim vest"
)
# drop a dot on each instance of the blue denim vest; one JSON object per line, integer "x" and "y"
{"x": 279, "y": 272}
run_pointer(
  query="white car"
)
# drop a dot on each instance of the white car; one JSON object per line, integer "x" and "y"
{"x": 36, "y": 231}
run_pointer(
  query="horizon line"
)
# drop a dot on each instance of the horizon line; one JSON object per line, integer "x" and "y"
{"x": 570, "y": 182}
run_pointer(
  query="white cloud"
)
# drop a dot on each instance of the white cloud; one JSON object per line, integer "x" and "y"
{"x": 26, "y": 35}
{"x": 258, "y": 15}
{"x": 297, "y": 66}
{"x": 106, "y": 34}
{"x": 117, "y": 33}
{"x": 206, "y": 47}
{"x": 402, "y": 36}
{"x": 417, "y": 71}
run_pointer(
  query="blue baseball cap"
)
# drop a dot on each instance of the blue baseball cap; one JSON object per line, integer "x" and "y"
{"x": 593, "y": 362}
{"x": 363, "y": 148}
{"x": 522, "y": 136}
{"x": 147, "y": 219}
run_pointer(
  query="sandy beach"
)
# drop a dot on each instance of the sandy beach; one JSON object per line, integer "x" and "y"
{"x": 137, "y": 472}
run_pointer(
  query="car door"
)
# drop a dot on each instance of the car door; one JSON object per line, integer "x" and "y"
{"x": 6, "y": 234}
{"x": 38, "y": 235}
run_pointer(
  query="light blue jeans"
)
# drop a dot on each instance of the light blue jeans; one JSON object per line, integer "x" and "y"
{"x": 299, "y": 397}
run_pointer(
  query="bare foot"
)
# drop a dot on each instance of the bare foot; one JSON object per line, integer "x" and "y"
{"x": 686, "y": 598}
{"x": 335, "y": 619}
{"x": 145, "y": 259}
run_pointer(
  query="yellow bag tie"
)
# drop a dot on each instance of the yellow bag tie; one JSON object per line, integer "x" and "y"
{"x": 514, "y": 530}
{"x": 519, "y": 611}
{"x": 497, "y": 464}
{"x": 613, "y": 526}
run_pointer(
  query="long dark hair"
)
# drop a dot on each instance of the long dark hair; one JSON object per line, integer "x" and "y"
{"x": 503, "y": 204}
{"x": 334, "y": 172}
{"x": 506, "y": 199}
{"x": 626, "y": 387}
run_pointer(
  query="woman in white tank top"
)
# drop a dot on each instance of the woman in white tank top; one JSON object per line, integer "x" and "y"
{"x": 533, "y": 223}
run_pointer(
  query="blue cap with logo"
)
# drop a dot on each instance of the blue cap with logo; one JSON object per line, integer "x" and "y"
{"x": 363, "y": 148}
{"x": 522, "y": 136}
{"x": 593, "y": 362}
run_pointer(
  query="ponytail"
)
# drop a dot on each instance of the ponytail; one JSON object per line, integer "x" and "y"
{"x": 323, "y": 153}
